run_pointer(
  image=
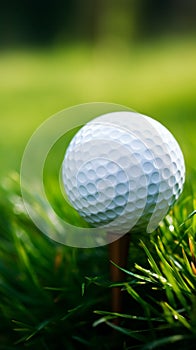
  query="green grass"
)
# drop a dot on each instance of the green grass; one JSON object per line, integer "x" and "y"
{"x": 154, "y": 78}
{"x": 53, "y": 296}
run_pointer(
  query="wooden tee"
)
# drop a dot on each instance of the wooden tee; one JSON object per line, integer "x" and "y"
{"x": 118, "y": 253}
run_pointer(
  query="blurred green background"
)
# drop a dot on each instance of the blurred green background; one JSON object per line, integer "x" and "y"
{"x": 55, "y": 54}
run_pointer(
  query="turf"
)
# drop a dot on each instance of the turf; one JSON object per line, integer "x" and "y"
{"x": 155, "y": 78}
{"x": 53, "y": 296}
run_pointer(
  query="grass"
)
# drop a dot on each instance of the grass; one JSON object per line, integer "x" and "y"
{"x": 155, "y": 78}
{"x": 58, "y": 297}
{"x": 53, "y": 296}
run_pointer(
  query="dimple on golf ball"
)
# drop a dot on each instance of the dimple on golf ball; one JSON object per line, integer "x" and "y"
{"x": 123, "y": 171}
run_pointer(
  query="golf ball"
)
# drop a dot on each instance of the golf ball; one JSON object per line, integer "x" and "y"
{"x": 123, "y": 171}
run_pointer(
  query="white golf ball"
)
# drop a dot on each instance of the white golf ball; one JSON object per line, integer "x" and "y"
{"x": 123, "y": 171}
